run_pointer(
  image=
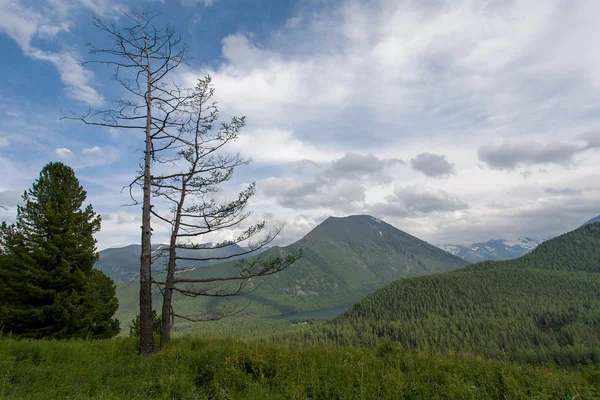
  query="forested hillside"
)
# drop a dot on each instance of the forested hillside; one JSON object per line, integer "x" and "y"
{"x": 543, "y": 306}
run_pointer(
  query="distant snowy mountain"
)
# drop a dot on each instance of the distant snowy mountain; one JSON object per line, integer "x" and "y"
{"x": 493, "y": 249}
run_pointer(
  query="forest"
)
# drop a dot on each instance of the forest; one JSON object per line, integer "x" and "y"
{"x": 542, "y": 307}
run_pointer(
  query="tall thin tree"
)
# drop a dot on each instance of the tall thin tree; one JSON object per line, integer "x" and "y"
{"x": 200, "y": 167}
{"x": 143, "y": 57}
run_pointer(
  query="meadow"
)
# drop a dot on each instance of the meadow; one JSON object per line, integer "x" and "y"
{"x": 234, "y": 368}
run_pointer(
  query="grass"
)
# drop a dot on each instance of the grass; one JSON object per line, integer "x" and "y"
{"x": 201, "y": 368}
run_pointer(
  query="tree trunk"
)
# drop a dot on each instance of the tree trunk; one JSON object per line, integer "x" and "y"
{"x": 166, "y": 318}
{"x": 146, "y": 331}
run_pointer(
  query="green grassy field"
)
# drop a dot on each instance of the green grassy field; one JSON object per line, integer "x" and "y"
{"x": 196, "y": 368}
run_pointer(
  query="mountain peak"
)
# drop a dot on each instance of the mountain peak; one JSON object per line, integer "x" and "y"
{"x": 355, "y": 217}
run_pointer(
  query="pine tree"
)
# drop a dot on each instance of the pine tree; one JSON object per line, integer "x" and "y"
{"x": 47, "y": 285}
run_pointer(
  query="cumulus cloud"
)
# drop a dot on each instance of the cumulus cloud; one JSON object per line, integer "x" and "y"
{"x": 92, "y": 150}
{"x": 343, "y": 195}
{"x": 63, "y": 153}
{"x": 276, "y": 146}
{"x": 355, "y": 166}
{"x": 194, "y": 3}
{"x": 339, "y": 185}
{"x": 395, "y": 79}
{"x": 540, "y": 212}
{"x": 433, "y": 165}
{"x": 46, "y": 20}
{"x": 508, "y": 155}
{"x": 89, "y": 156}
{"x": 410, "y": 201}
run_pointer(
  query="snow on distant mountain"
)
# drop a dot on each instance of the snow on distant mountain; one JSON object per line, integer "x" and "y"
{"x": 493, "y": 249}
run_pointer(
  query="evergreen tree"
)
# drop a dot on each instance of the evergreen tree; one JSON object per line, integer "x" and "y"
{"x": 47, "y": 285}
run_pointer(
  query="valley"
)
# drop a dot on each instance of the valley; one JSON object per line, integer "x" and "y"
{"x": 343, "y": 260}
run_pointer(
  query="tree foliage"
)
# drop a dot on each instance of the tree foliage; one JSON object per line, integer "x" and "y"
{"x": 48, "y": 287}
{"x": 134, "y": 328}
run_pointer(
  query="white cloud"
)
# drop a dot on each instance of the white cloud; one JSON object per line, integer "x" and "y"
{"x": 88, "y": 157}
{"x": 433, "y": 165}
{"x": 517, "y": 80}
{"x": 510, "y": 155}
{"x": 194, "y": 3}
{"x": 75, "y": 77}
{"x": 46, "y": 20}
{"x": 92, "y": 150}
{"x": 64, "y": 153}
{"x": 273, "y": 146}
{"x": 398, "y": 79}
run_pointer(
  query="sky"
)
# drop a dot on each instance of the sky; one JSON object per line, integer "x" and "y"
{"x": 457, "y": 121}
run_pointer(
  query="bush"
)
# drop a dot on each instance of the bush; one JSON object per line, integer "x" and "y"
{"x": 134, "y": 329}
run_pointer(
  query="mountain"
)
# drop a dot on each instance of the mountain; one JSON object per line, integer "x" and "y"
{"x": 497, "y": 249}
{"x": 592, "y": 221}
{"x": 541, "y": 307}
{"x": 492, "y": 249}
{"x": 343, "y": 260}
{"x": 123, "y": 264}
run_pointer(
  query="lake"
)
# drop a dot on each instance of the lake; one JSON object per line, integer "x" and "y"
{"x": 322, "y": 313}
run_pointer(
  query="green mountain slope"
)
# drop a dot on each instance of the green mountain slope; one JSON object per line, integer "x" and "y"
{"x": 122, "y": 264}
{"x": 343, "y": 260}
{"x": 544, "y": 305}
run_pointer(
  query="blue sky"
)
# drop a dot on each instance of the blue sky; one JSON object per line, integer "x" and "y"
{"x": 454, "y": 120}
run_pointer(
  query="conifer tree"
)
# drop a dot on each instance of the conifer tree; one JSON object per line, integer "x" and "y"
{"x": 47, "y": 285}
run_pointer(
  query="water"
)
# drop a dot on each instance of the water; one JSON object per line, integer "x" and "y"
{"x": 322, "y": 313}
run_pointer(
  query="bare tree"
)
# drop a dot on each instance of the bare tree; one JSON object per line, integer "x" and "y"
{"x": 203, "y": 166}
{"x": 143, "y": 56}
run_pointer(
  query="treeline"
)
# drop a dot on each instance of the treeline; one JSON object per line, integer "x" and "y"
{"x": 544, "y": 307}
{"x": 48, "y": 287}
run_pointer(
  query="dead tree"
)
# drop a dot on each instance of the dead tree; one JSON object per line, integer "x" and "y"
{"x": 143, "y": 57}
{"x": 203, "y": 167}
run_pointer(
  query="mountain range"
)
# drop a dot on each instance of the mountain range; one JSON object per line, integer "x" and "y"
{"x": 122, "y": 264}
{"x": 343, "y": 260}
{"x": 498, "y": 249}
